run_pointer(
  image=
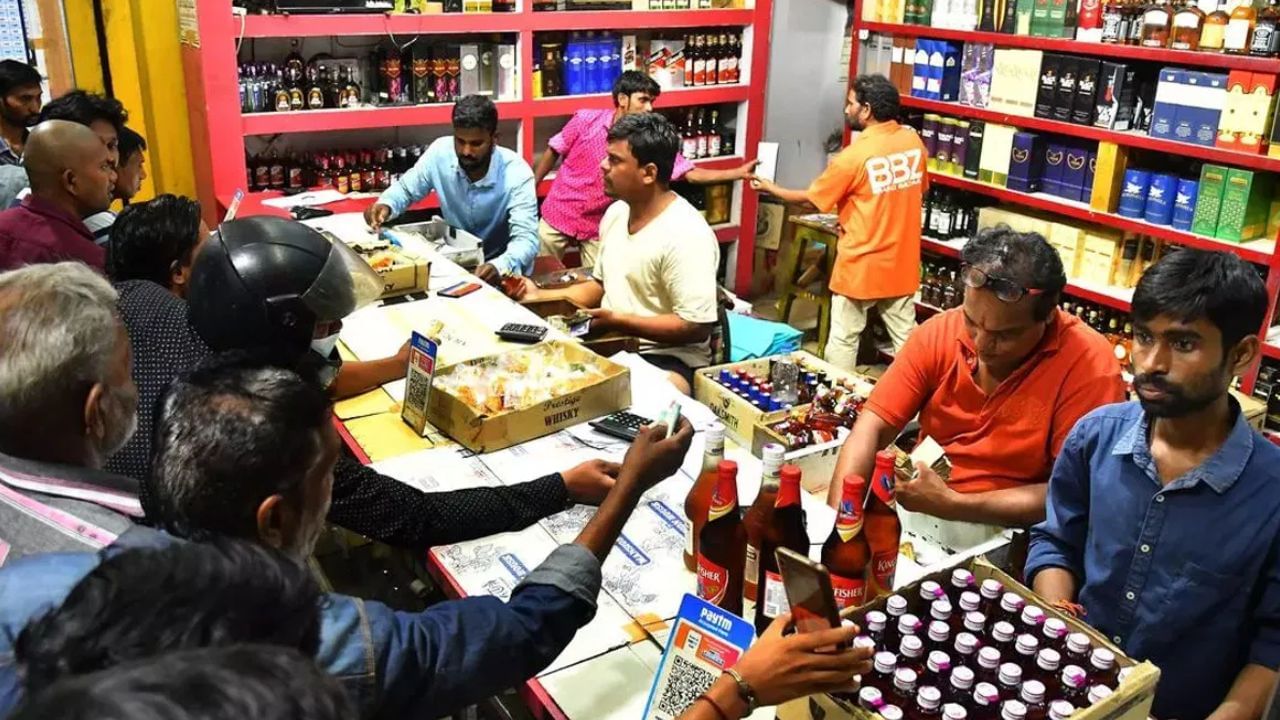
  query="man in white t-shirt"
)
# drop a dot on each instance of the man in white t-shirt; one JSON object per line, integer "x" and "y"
{"x": 656, "y": 274}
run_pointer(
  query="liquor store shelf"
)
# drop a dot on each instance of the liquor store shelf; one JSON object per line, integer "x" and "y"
{"x": 1258, "y": 251}
{"x": 271, "y": 123}
{"x": 1270, "y": 351}
{"x": 1131, "y": 139}
{"x": 1112, "y": 297}
{"x": 290, "y": 26}
{"x": 1071, "y": 45}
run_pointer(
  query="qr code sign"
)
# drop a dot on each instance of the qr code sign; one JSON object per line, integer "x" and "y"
{"x": 685, "y": 682}
{"x": 417, "y": 388}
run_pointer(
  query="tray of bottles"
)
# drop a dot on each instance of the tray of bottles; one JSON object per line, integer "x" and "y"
{"x": 814, "y": 433}
{"x": 1046, "y": 657}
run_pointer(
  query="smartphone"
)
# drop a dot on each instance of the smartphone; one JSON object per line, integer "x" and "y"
{"x": 459, "y": 290}
{"x": 809, "y": 592}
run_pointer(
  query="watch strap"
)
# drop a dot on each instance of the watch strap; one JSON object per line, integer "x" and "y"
{"x": 745, "y": 691}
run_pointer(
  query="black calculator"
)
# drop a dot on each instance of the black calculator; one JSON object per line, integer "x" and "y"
{"x": 521, "y": 333}
{"x": 623, "y": 425}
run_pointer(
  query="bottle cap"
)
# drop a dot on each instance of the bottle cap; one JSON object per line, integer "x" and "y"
{"x": 961, "y": 578}
{"x": 876, "y": 621}
{"x": 912, "y": 646}
{"x": 1060, "y": 710}
{"x": 1032, "y": 615}
{"x": 909, "y": 624}
{"x": 939, "y": 631}
{"x": 986, "y": 694}
{"x": 1049, "y": 659}
{"x": 989, "y": 658}
{"x": 970, "y": 601}
{"x": 728, "y": 467}
{"x": 1010, "y": 674}
{"x": 939, "y": 662}
{"x": 772, "y": 456}
{"x": 789, "y": 474}
{"x": 864, "y": 641}
{"x": 940, "y": 609}
{"x": 1033, "y": 691}
{"x": 904, "y": 679}
{"x": 991, "y": 588}
{"x": 1054, "y": 629}
{"x": 962, "y": 678}
{"x": 929, "y": 697}
{"x": 870, "y": 698}
{"x": 896, "y": 605}
{"x": 1027, "y": 644}
{"x": 1012, "y": 603}
{"x": 952, "y": 711}
{"x": 1013, "y": 710}
{"x": 1002, "y": 631}
{"x": 975, "y": 621}
{"x": 1102, "y": 659}
{"x": 1078, "y": 643}
{"x": 1073, "y": 676}
{"x": 930, "y": 590}
{"x": 891, "y": 712}
{"x": 966, "y": 643}
{"x": 1098, "y": 693}
{"x": 886, "y": 663}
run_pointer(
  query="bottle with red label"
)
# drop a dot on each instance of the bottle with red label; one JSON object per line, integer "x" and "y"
{"x": 722, "y": 545}
{"x": 928, "y": 703}
{"x": 698, "y": 501}
{"x": 960, "y": 686}
{"x": 757, "y": 518}
{"x": 846, "y": 553}
{"x": 884, "y": 531}
{"x": 784, "y": 530}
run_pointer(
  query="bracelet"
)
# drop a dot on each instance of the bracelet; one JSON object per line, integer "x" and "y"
{"x": 745, "y": 691}
{"x": 714, "y": 706}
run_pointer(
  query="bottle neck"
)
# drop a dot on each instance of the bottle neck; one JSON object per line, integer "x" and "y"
{"x": 788, "y": 494}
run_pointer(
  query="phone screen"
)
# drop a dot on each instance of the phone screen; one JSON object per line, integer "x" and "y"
{"x": 462, "y": 288}
{"x": 808, "y": 586}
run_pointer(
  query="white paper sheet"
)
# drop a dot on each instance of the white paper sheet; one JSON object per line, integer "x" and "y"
{"x": 439, "y": 470}
{"x": 614, "y": 686}
{"x": 495, "y": 565}
{"x": 605, "y": 632}
{"x": 305, "y": 199}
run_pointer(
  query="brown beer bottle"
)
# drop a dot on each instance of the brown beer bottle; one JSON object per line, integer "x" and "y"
{"x": 698, "y": 502}
{"x": 884, "y": 531}
{"x": 846, "y": 552}
{"x": 722, "y": 545}
{"x": 785, "y": 530}
{"x": 757, "y": 518}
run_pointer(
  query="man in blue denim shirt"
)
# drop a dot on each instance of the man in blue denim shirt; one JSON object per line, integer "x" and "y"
{"x": 246, "y": 451}
{"x": 484, "y": 189}
{"x": 1163, "y": 516}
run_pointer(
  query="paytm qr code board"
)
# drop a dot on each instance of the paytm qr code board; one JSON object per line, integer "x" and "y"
{"x": 417, "y": 391}
{"x": 704, "y": 642}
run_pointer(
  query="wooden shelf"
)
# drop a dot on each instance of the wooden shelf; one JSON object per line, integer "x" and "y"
{"x": 1130, "y": 139}
{"x": 311, "y": 25}
{"x": 1258, "y": 251}
{"x": 1067, "y": 45}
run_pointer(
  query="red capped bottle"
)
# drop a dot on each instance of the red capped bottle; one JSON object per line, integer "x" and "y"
{"x": 783, "y": 529}
{"x": 846, "y": 552}
{"x": 722, "y": 545}
{"x": 884, "y": 531}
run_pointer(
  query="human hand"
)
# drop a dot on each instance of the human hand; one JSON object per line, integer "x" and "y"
{"x": 763, "y": 185}
{"x": 744, "y": 170}
{"x": 591, "y": 481}
{"x": 785, "y": 667}
{"x": 488, "y": 273}
{"x": 402, "y": 355}
{"x": 602, "y": 321}
{"x": 376, "y": 214}
{"x": 927, "y": 493}
{"x": 654, "y": 457}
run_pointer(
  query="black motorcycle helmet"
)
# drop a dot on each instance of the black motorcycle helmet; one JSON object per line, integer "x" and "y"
{"x": 264, "y": 283}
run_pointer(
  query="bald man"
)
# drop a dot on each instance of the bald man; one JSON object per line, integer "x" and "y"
{"x": 72, "y": 176}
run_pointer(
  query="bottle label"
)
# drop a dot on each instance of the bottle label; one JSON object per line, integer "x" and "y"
{"x": 1111, "y": 30}
{"x": 1237, "y": 35}
{"x": 713, "y": 146}
{"x": 850, "y": 592}
{"x": 1263, "y": 35}
{"x": 702, "y": 146}
{"x": 689, "y": 148}
{"x": 849, "y": 520}
{"x": 713, "y": 581}
{"x": 884, "y": 564}
{"x": 883, "y": 486}
{"x": 1211, "y": 37}
{"x": 752, "y": 569}
{"x": 721, "y": 506}
{"x": 775, "y": 595}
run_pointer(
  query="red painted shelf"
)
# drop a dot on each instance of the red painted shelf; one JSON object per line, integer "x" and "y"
{"x": 1270, "y": 351}
{"x": 638, "y": 19}
{"x": 1065, "y": 45}
{"x": 271, "y": 123}
{"x": 1131, "y": 139}
{"x": 311, "y": 25}
{"x": 677, "y": 97}
{"x": 252, "y": 204}
{"x": 1257, "y": 251}
{"x": 727, "y": 232}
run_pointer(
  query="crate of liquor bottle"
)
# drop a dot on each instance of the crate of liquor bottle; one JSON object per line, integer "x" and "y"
{"x": 1132, "y": 683}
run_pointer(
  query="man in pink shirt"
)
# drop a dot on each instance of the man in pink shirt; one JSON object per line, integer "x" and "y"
{"x": 572, "y": 211}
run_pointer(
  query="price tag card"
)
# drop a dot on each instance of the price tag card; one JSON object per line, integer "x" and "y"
{"x": 704, "y": 641}
{"x": 422, "y": 368}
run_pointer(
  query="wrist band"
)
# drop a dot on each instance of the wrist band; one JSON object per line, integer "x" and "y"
{"x": 714, "y": 706}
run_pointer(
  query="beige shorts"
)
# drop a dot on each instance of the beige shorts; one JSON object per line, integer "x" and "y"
{"x": 555, "y": 243}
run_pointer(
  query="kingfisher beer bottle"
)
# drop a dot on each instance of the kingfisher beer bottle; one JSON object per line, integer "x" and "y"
{"x": 722, "y": 545}
{"x": 785, "y": 530}
{"x": 757, "y": 520}
{"x": 883, "y": 531}
{"x": 698, "y": 502}
{"x": 846, "y": 552}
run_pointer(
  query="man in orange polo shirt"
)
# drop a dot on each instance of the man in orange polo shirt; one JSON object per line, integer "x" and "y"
{"x": 998, "y": 382}
{"x": 876, "y": 185}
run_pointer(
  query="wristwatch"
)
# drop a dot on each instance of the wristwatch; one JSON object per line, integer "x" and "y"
{"x": 745, "y": 691}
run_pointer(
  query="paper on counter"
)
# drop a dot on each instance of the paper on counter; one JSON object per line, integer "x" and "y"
{"x": 496, "y": 564}
{"x": 305, "y": 199}
{"x": 385, "y": 435}
{"x": 606, "y": 631}
{"x": 613, "y": 686}
{"x": 545, "y": 455}
{"x": 439, "y": 470}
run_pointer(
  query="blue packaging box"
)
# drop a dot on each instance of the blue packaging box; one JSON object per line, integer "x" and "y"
{"x": 1075, "y": 167}
{"x": 1133, "y": 196}
{"x": 1184, "y": 204}
{"x": 1164, "y": 112}
{"x": 1055, "y": 159}
{"x": 1026, "y": 162}
{"x": 1160, "y": 199}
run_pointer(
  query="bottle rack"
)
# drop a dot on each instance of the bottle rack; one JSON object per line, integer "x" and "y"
{"x": 1261, "y": 251}
{"x": 219, "y": 128}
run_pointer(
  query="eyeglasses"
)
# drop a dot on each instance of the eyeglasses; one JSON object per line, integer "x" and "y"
{"x": 1004, "y": 289}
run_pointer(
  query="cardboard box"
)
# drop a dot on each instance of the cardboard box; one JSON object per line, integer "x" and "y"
{"x": 770, "y": 219}
{"x": 1108, "y": 177}
{"x": 1101, "y": 256}
{"x": 1026, "y": 162}
{"x": 997, "y": 148}
{"x": 920, "y": 68}
{"x": 1055, "y": 160}
{"x": 1085, "y": 102}
{"x": 509, "y": 71}
{"x": 1234, "y": 108}
{"x": 1065, "y": 96}
{"x": 1164, "y": 117}
{"x": 967, "y": 93}
{"x": 1116, "y": 99}
{"x": 469, "y": 82}
{"x": 1047, "y": 90}
{"x": 407, "y": 273}
{"x": 1256, "y": 125}
{"x": 1213, "y": 182}
{"x": 1062, "y": 19}
{"x": 949, "y": 90}
{"x": 1075, "y": 170}
{"x": 1068, "y": 240}
{"x": 1198, "y": 116}
{"x": 1246, "y": 202}
{"x": 481, "y": 432}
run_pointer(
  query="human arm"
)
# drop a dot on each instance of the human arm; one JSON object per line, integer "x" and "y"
{"x": 797, "y": 197}
{"x": 870, "y": 434}
{"x": 1057, "y": 544}
{"x": 546, "y": 163}
{"x": 669, "y": 329}
{"x": 1248, "y": 696}
{"x": 1256, "y": 681}
{"x": 587, "y": 294}
{"x": 356, "y": 377}
{"x": 707, "y": 176}
{"x": 410, "y": 188}
{"x": 522, "y": 224}
{"x": 927, "y": 493}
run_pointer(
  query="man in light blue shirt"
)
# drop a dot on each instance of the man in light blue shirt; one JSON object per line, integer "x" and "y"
{"x": 484, "y": 189}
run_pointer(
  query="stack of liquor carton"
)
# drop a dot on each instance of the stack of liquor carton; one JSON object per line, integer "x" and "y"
{"x": 1249, "y": 107}
{"x": 1233, "y": 204}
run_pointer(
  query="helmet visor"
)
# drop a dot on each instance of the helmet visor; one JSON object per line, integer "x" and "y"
{"x": 345, "y": 284}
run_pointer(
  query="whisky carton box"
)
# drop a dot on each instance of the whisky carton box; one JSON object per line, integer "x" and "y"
{"x": 1164, "y": 116}
{"x": 1023, "y": 11}
{"x": 920, "y": 69}
{"x": 1047, "y": 90}
{"x": 968, "y": 70}
{"x": 1108, "y": 177}
{"x": 1101, "y": 257}
{"x": 1246, "y": 201}
{"x": 509, "y": 74}
{"x": 982, "y": 81}
{"x": 469, "y": 81}
{"x": 1204, "y": 96}
{"x": 1040, "y": 17}
{"x": 977, "y": 134}
{"x": 488, "y": 69}
{"x": 1075, "y": 169}
{"x": 1256, "y": 125}
{"x": 1068, "y": 240}
{"x": 937, "y": 63}
{"x": 949, "y": 91}
{"x": 1274, "y": 149}
{"x": 1090, "y": 170}
{"x": 1026, "y": 162}
{"x": 1085, "y": 101}
{"x": 1213, "y": 182}
{"x": 1116, "y": 97}
{"x": 895, "y": 64}
{"x": 1055, "y": 162}
{"x": 1003, "y": 76}
{"x": 1062, "y": 19}
{"x": 997, "y": 149}
{"x": 1235, "y": 106}
{"x": 1065, "y": 97}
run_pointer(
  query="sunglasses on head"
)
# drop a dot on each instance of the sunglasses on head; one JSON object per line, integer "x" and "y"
{"x": 1004, "y": 289}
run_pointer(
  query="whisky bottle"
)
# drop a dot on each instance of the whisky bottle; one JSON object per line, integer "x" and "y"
{"x": 1266, "y": 36}
{"x": 1113, "y": 22}
{"x": 315, "y": 86}
{"x": 1156, "y": 21}
{"x": 1137, "y": 11}
{"x": 1213, "y": 34}
{"x": 1240, "y": 26}
{"x": 1188, "y": 23}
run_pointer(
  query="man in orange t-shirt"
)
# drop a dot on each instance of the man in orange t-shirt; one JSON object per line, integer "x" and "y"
{"x": 997, "y": 382}
{"x": 876, "y": 186}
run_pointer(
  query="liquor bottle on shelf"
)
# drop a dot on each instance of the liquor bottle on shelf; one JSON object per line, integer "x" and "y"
{"x": 699, "y": 60}
{"x": 689, "y": 139}
{"x": 1239, "y": 32}
{"x": 698, "y": 501}
{"x": 713, "y": 134}
{"x": 1266, "y": 35}
{"x": 1137, "y": 9}
{"x": 755, "y": 520}
{"x": 1157, "y": 20}
{"x": 722, "y": 544}
{"x": 1113, "y": 22}
{"x": 1188, "y": 24}
{"x": 1213, "y": 34}
{"x": 700, "y": 134}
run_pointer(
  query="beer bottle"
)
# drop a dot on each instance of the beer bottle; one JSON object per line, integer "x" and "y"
{"x": 961, "y": 582}
{"x": 1025, "y": 649}
{"x": 1054, "y": 634}
{"x": 1033, "y": 696}
{"x": 698, "y": 502}
{"x": 986, "y": 702}
{"x": 988, "y": 670}
{"x": 966, "y": 649}
{"x": 929, "y": 591}
{"x": 990, "y": 591}
{"x": 784, "y": 530}
{"x": 883, "y": 529}
{"x": 722, "y": 545}
{"x": 1074, "y": 686}
{"x": 757, "y": 518}
{"x": 1009, "y": 680}
{"x": 939, "y": 634}
{"x": 928, "y": 702}
{"x": 1078, "y": 648}
{"x": 1102, "y": 668}
{"x": 847, "y": 554}
{"x": 883, "y": 666}
{"x": 1060, "y": 710}
{"x": 937, "y": 668}
{"x": 941, "y": 609}
{"x": 1010, "y": 610}
{"x": 960, "y": 687}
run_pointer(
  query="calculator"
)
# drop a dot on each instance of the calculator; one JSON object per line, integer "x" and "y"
{"x": 623, "y": 425}
{"x": 522, "y": 333}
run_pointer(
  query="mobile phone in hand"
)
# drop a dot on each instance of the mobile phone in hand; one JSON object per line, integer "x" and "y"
{"x": 809, "y": 592}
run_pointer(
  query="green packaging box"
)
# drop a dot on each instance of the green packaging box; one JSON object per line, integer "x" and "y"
{"x": 1246, "y": 198}
{"x": 1213, "y": 180}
